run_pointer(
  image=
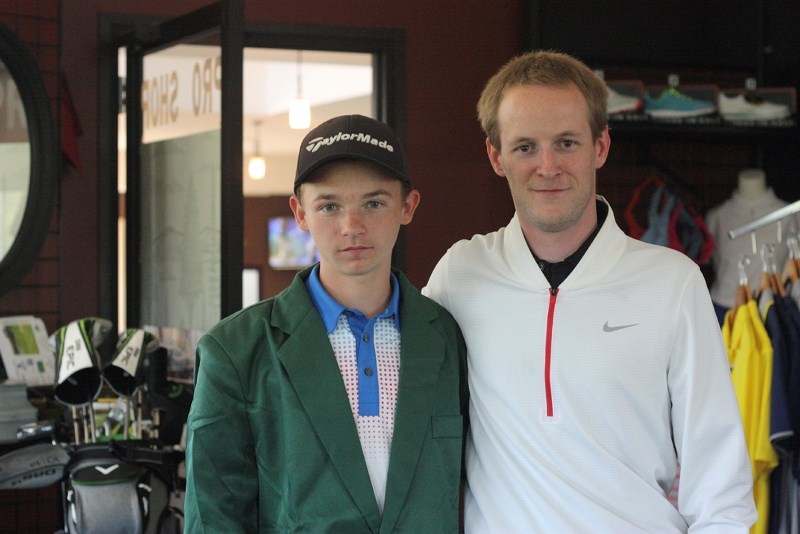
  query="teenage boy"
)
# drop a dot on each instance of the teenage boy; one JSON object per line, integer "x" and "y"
{"x": 310, "y": 414}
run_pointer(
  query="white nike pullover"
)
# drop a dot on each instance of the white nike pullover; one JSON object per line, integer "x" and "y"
{"x": 584, "y": 398}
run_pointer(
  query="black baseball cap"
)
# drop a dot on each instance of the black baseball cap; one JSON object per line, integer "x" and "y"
{"x": 351, "y": 137}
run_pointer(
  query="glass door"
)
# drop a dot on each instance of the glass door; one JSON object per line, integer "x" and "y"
{"x": 184, "y": 171}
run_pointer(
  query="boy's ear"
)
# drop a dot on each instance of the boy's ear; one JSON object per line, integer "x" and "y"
{"x": 410, "y": 206}
{"x": 299, "y": 212}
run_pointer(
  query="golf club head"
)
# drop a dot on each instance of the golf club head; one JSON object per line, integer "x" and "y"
{"x": 123, "y": 373}
{"x": 40, "y": 431}
{"x": 78, "y": 378}
{"x": 35, "y": 466}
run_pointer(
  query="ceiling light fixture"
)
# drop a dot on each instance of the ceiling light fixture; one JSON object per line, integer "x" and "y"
{"x": 257, "y": 165}
{"x": 299, "y": 108}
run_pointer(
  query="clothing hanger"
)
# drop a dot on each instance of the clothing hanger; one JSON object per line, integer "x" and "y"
{"x": 770, "y": 280}
{"x": 791, "y": 270}
{"x": 743, "y": 292}
{"x": 794, "y": 251}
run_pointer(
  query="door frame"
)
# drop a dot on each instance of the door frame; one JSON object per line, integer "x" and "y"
{"x": 388, "y": 49}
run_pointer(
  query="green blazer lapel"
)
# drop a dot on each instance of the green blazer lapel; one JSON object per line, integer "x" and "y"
{"x": 422, "y": 353}
{"x": 307, "y": 356}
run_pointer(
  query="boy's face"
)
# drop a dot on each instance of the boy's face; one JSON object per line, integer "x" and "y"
{"x": 354, "y": 212}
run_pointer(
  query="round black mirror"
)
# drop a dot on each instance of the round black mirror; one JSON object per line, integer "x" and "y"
{"x": 28, "y": 159}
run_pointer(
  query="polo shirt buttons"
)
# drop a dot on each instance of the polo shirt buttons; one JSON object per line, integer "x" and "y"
{"x": 365, "y": 337}
{"x": 368, "y": 371}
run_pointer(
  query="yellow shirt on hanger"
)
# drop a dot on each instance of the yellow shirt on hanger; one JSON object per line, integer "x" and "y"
{"x": 750, "y": 355}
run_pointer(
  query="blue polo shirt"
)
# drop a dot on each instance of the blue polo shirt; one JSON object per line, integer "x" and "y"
{"x": 363, "y": 330}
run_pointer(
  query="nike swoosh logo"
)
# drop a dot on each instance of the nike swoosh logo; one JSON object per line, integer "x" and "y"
{"x": 607, "y": 328}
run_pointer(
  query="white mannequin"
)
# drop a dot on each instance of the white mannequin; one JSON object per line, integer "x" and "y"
{"x": 753, "y": 198}
{"x": 752, "y": 184}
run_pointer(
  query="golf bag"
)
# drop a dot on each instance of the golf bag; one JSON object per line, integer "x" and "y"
{"x": 111, "y": 488}
{"x": 109, "y": 482}
{"x": 120, "y": 486}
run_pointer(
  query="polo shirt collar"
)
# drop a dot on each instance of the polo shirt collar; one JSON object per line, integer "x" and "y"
{"x": 330, "y": 310}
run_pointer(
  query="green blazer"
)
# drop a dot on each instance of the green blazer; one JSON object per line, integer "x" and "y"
{"x": 272, "y": 444}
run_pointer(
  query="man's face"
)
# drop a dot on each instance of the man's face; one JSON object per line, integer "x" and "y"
{"x": 548, "y": 156}
{"x": 354, "y": 214}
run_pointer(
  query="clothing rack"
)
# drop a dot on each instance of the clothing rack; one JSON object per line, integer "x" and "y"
{"x": 769, "y": 218}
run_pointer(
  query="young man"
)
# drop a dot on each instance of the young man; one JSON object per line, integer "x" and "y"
{"x": 596, "y": 361}
{"x": 310, "y": 414}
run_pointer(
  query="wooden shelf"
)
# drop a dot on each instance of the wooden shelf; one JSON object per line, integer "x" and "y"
{"x": 707, "y": 128}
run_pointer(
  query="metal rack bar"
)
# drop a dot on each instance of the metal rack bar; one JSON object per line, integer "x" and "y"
{"x": 777, "y": 215}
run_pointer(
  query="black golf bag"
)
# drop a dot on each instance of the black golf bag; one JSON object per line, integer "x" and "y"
{"x": 120, "y": 487}
{"x": 110, "y": 480}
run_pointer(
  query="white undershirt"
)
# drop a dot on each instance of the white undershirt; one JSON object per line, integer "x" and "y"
{"x": 374, "y": 432}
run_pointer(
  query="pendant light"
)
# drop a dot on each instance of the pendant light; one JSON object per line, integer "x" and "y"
{"x": 257, "y": 165}
{"x": 299, "y": 107}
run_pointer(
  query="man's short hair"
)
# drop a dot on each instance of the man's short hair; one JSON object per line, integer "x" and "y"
{"x": 545, "y": 68}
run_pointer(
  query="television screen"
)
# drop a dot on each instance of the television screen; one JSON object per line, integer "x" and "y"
{"x": 290, "y": 247}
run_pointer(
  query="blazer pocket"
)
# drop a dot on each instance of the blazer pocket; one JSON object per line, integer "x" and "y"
{"x": 200, "y": 422}
{"x": 447, "y": 426}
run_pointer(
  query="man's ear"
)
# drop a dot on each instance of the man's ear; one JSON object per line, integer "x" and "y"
{"x": 602, "y": 147}
{"x": 494, "y": 158}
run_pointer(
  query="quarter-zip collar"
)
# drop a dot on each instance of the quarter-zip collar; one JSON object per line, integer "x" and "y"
{"x": 599, "y": 259}
{"x": 557, "y": 272}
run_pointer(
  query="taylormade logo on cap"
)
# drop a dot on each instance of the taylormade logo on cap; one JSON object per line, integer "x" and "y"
{"x": 351, "y": 137}
{"x": 314, "y": 144}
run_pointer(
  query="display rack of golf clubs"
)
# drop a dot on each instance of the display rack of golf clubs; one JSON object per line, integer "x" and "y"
{"x": 111, "y": 481}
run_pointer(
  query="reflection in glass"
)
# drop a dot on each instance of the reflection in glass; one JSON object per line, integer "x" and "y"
{"x": 15, "y": 160}
{"x": 180, "y": 188}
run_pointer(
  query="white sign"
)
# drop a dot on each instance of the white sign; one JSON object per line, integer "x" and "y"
{"x": 181, "y": 93}
{"x": 26, "y": 355}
